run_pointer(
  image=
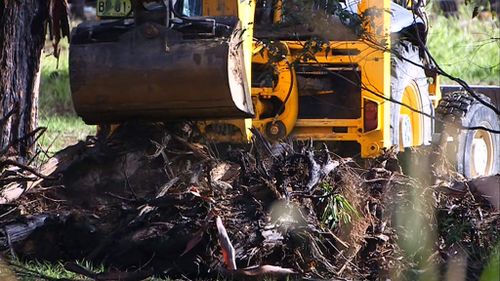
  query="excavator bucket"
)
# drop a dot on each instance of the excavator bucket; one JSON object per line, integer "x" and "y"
{"x": 151, "y": 72}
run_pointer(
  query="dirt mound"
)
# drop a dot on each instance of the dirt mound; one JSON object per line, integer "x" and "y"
{"x": 151, "y": 201}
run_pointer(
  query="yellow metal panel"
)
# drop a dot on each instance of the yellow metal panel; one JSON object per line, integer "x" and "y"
{"x": 285, "y": 90}
{"x": 373, "y": 62}
{"x": 377, "y": 75}
{"x": 374, "y": 65}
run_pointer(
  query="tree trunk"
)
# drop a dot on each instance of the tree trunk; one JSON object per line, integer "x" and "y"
{"x": 22, "y": 36}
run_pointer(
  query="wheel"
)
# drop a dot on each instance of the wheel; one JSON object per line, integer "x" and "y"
{"x": 477, "y": 152}
{"x": 410, "y": 86}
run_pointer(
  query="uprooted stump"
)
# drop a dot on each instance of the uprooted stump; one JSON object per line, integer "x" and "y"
{"x": 151, "y": 201}
{"x": 148, "y": 199}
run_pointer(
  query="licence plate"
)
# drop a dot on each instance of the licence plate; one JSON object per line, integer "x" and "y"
{"x": 113, "y": 8}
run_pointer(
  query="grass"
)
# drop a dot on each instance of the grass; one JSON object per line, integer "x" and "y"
{"x": 56, "y": 108}
{"x": 34, "y": 271}
{"x": 55, "y": 98}
{"x": 30, "y": 271}
{"x": 465, "y": 47}
{"x": 62, "y": 131}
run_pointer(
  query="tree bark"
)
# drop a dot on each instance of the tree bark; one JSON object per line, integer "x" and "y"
{"x": 22, "y": 37}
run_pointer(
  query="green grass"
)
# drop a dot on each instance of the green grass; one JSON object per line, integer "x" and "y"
{"x": 56, "y": 108}
{"x": 466, "y": 48}
{"x": 35, "y": 271}
{"x": 32, "y": 269}
{"x": 55, "y": 98}
{"x": 62, "y": 131}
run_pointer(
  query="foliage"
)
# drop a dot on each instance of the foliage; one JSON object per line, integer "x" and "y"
{"x": 338, "y": 209}
{"x": 466, "y": 47}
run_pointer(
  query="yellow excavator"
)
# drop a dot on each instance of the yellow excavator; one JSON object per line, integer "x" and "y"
{"x": 350, "y": 72}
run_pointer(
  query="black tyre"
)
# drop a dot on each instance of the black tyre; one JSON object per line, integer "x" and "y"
{"x": 476, "y": 152}
{"x": 406, "y": 70}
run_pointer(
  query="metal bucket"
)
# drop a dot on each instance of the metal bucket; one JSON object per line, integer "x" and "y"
{"x": 152, "y": 73}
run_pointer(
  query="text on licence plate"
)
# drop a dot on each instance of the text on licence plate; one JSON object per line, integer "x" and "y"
{"x": 113, "y": 8}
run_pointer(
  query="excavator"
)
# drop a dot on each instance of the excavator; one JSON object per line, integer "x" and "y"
{"x": 353, "y": 73}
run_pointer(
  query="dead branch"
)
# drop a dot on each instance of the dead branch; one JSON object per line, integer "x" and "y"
{"x": 9, "y": 162}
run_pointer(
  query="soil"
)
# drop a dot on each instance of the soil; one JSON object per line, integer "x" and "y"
{"x": 153, "y": 200}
